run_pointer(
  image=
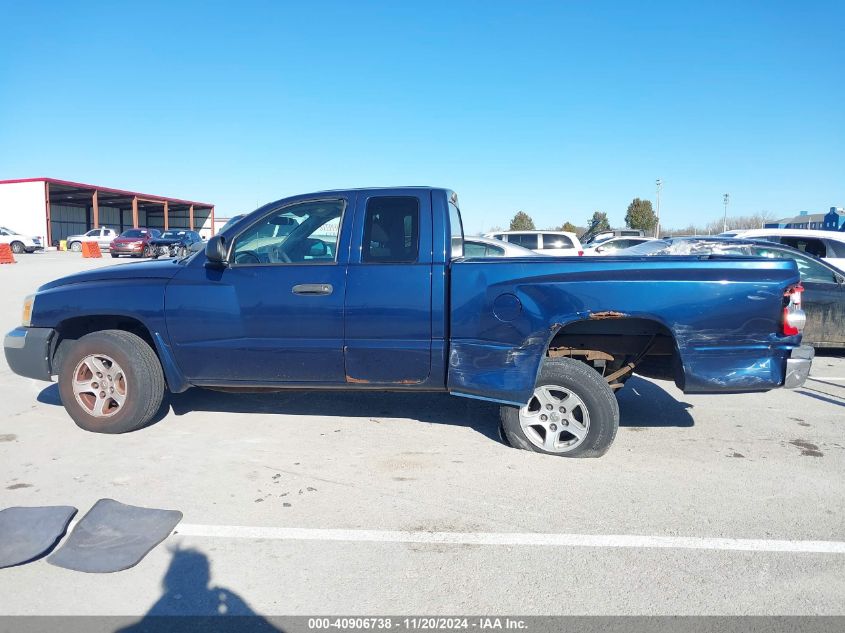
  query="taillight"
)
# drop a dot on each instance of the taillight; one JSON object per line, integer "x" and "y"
{"x": 794, "y": 318}
{"x": 580, "y": 253}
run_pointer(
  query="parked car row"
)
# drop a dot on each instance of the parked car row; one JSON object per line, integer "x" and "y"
{"x": 140, "y": 242}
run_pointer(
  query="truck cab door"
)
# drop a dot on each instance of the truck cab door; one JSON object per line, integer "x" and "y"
{"x": 275, "y": 313}
{"x": 389, "y": 289}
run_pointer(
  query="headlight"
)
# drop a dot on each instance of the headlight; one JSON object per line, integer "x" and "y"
{"x": 26, "y": 318}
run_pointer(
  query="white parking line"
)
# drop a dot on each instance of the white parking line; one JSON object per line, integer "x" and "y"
{"x": 826, "y": 377}
{"x": 512, "y": 539}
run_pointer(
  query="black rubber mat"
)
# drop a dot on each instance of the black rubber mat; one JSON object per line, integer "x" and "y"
{"x": 113, "y": 536}
{"x": 29, "y": 533}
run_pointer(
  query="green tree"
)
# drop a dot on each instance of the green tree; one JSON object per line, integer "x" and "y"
{"x": 522, "y": 222}
{"x": 640, "y": 215}
{"x": 568, "y": 227}
{"x": 599, "y": 221}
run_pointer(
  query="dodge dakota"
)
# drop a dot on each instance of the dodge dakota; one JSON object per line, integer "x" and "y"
{"x": 370, "y": 289}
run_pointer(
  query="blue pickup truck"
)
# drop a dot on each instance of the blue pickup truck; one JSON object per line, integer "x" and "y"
{"x": 370, "y": 289}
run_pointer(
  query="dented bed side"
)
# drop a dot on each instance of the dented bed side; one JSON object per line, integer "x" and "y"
{"x": 724, "y": 315}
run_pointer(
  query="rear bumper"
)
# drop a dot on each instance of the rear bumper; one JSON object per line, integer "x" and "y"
{"x": 798, "y": 366}
{"x": 27, "y": 351}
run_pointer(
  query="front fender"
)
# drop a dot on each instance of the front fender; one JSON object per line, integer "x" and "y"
{"x": 139, "y": 299}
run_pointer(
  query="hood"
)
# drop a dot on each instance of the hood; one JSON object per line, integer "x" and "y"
{"x": 129, "y": 240}
{"x": 160, "y": 269}
{"x": 166, "y": 241}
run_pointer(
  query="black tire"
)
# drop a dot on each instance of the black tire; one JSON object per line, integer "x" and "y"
{"x": 143, "y": 374}
{"x": 17, "y": 247}
{"x": 75, "y": 246}
{"x": 147, "y": 252}
{"x": 597, "y": 396}
{"x": 115, "y": 255}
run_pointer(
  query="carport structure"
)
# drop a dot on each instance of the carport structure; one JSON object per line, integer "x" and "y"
{"x": 73, "y": 208}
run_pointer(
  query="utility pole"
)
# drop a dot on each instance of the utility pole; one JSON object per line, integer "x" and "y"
{"x": 659, "y": 184}
{"x": 725, "y": 199}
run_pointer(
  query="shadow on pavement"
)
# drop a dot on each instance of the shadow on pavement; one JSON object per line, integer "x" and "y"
{"x": 643, "y": 403}
{"x": 188, "y": 592}
{"x": 433, "y": 408}
{"x": 821, "y": 395}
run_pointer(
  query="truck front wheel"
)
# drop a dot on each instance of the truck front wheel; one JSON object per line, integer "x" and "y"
{"x": 572, "y": 412}
{"x": 111, "y": 382}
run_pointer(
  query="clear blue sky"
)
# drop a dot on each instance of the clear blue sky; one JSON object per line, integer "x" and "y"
{"x": 557, "y": 108}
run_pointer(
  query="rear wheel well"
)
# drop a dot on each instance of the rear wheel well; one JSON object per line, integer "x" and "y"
{"x": 612, "y": 341}
{"x": 71, "y": 330}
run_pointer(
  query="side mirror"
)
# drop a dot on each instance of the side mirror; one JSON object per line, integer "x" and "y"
{"x": 215, "y": 252}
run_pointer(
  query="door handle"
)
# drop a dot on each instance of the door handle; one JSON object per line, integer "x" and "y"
{"x": 313, "y": 289}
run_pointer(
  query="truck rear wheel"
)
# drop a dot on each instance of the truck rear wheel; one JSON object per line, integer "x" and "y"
{"x": 572, "y": 412}
{"x": 111, "y": 382}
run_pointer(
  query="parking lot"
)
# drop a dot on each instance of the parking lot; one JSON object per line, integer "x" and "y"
{"x": 375, "y": 503}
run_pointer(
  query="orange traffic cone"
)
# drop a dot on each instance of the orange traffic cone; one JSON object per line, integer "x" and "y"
{"x": 6, "y": 256}
{"x": 91, "y": 249}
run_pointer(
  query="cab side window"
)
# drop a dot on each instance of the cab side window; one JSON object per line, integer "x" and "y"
{"x": 304, "y": 233}
{"x": 835, "y": 249}
{"x": 526, "y": 240}
{"x": 391, "y": 230}
{"x": 809, "y": 245}
{"x": 555, "y": 241}
{"x": 473, "y": 249}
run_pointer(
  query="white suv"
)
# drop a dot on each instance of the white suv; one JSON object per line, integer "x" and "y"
{"x": 102, "y": 236}
{"x": 20, "y": 243}
{"x": 827, "y": 245}
{"x": 543, "y": 242}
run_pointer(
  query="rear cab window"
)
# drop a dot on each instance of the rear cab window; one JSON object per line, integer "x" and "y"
{"x": 457, "y": 229}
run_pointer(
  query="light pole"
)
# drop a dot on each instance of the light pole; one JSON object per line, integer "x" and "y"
{"x": 725, "y": 199}
{"x": 659, "y": 184}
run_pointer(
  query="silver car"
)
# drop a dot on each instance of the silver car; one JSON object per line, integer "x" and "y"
{"x": 475, "y": 246}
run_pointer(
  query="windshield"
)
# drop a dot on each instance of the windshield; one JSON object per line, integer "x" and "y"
{"x": 7, "y": 231}
{"x": 135, "y": 233}
{"x": 172, "y": 234}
